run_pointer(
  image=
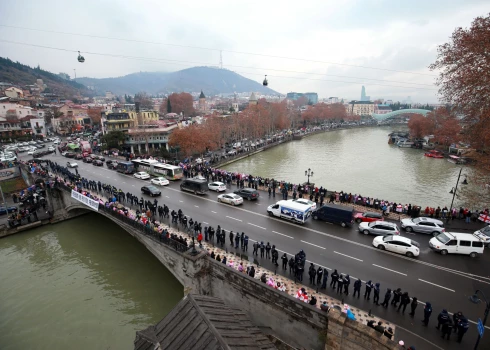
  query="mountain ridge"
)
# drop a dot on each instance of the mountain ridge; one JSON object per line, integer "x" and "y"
{"x": 211, "y": 80}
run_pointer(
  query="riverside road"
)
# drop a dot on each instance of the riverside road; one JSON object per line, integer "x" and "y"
{"x": 445, "y": 281}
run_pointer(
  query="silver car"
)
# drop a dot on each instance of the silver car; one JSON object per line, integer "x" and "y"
{"x": 423, "y": 225}
{"x": 379, "y": 228}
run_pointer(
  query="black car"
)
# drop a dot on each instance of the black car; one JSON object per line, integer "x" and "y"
{"x": 111, "y": 164}
{"x": 70, "y": 155}
{"x": 247, "y": 193}
{"x": 87, "y": 160}
{"x": 98, "y": 162}
{"x": 151, "y": 190}
{"x": 102, "y": 159}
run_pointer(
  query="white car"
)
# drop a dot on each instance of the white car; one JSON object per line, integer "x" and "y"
{"x": 198, "y": 160}
{"x": 217, "y": 186}
{"x": 161, "y": 181}
{"x": 71, "y": 164}
{"x": 31, "y": 150}
{"x": 397, "y": 244}
{"x": 64, "y": 153}
{"x": 51, "y": 148}
{"x": 306, "y": 202}
{"x": 142, "y": 175}
{"x": 230, "y": 198}
{"x": 56, "y": 142}
{"x": 8, "y": 158}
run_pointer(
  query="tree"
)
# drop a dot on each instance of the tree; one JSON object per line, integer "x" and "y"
{"x": 418, "y": 126}
{"x": 95, "y": 114}
{"x": 169, "y": 106}
{"x": 162, "y": 109}
{"x": 144, "y": 99}
{"x": 182, "y": 103}
{"x": 300, "y": 102}
{"x": 113, "y": 139}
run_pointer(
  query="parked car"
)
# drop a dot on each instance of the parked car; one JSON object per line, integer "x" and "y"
{"x": 230, "y": 198}
{"x": 31, "y": 151}
{"x": 337, "y": 214}
{"x": 423, "y": 225}
{"x": 51, "y": 149}
{"x": 247, "y": 193}
{"x": 217, "y": 186}
{"x": 142, "y": 175}
{"x": 87, "y": 160}
{"x": 151, "y": 190}
{"x": 160, "y": 181}
{"x": 78, "y": 156}
{"x": 71, "y": 164}
{"x": 484, "y": 235}
{"x": 101, "y": 158}
{"x": 397, "y": 244}
{"x": 70, "y": 155}
{"x": 379, "y": 228}
{"x": 368, "y": 217}
{"x": 97, "y": 162}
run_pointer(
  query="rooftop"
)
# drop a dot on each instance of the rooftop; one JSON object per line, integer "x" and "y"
{"x": 204, "y": 323}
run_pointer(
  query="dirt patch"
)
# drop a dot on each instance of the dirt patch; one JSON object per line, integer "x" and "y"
{"x": 13, "y": 185}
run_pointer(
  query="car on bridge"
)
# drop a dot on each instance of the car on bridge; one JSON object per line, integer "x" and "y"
{"x": 230, "y": 198}
{"x": 87, "y": 160}
{"x": 151, "y": 190}
{"x": 423, "y": 225}
{"x": 247, "y": 193}
{"x": 217, "y": 186}
{"x": 160, "y": 181}
{"x": 397, "y": 244}
{"x": 71, "y": 164}
{"x": 368, "y": 217}
{"x": 379, "y": 228}
{"x": 142, "y": 175}
{"x": 98, "y": 162}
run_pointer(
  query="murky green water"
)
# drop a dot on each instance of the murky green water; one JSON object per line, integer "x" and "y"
{"x": 80, "y": 284}
{"x": 359, "y": 161}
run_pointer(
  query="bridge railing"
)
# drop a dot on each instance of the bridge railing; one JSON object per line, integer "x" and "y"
{"x": 146, "y": 230}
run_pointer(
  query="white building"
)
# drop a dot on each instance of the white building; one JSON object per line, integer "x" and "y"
{"x": 38, "y": 126}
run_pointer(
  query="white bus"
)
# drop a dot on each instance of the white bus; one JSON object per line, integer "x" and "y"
{"x": 155, "y": 168}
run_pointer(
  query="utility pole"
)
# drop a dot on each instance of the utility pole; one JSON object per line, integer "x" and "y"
{"x": 221, "y": 59}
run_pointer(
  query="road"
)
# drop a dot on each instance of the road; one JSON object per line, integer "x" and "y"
{"x": 445, "y": 281}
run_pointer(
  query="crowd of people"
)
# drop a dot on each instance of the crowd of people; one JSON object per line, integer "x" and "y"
{"x": 318, "y": 276}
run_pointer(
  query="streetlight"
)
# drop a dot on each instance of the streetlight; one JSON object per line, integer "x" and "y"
{"x": 309, "y": 173}
{"x": 474, "y": 299}
{"x": 453, "y": 192}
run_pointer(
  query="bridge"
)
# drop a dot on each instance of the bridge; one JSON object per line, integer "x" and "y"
{"x": 276, "y": 313}
{"x": 381, "y": 117}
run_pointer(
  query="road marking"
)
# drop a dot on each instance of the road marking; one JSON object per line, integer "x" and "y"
{"x": 313, "y": 244}
{"x": 381, "y": 267}
{"x": 123, "y": 182}
{"x": 167, "y": 197}
{"x": 196, "y": 206}
{"x": 263, "y": 228}
{"x": 181, "y": 201}
{"x": 108, "y": 177}
{"x": 213, "y": 212}
{"x": 253, "y": 240}
{"x": 452, "y": 290}
{"x": 348, "y": 256}
{"x": 257, "y": 204}
{"x": 204, "y": 222}
{"x": 282, "y": 234}
{"x": 229, "y": 217}
{"x": 132, "y": 185}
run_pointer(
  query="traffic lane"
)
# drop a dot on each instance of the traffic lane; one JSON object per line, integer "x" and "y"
{"x": 461, "y": 263}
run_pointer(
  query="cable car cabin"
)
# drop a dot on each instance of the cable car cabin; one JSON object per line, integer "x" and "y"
{"x": 81, "y": 59}
{"x": 265, "y": 83}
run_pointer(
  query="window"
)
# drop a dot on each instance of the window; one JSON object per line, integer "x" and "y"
{"x": 477, "y": 244}
{"x": 465, "y": 243}
{"x": 452, "y": 242}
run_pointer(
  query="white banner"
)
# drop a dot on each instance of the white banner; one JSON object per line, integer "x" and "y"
{"x": 85, "y": 200}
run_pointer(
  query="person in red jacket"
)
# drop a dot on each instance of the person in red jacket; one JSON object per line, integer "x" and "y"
{"x": 199, "y": 239}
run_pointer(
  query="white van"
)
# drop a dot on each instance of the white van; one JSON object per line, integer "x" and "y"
{"x": 457, "y": 243}
{"x": 484, "y": 235}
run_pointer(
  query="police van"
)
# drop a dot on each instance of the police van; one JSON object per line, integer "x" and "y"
{"x": 457, "y": 243}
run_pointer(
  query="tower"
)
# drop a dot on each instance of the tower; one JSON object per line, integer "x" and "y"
{"x": 234, "y": 105}
{"x": 202, "y": 102}
{"x": 363, "y": 93}
{"x": 252, "y": 100}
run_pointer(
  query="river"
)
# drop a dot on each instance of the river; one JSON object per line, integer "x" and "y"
{"x": 359, "y": 161}
{"x": 80, "y": 284}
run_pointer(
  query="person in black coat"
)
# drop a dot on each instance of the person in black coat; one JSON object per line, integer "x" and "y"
{"x": 319, "y": 274}
{"x": 312, "y": 273}
{"x": 340, "y": 283}
{"x": 396, "y": 296}
{"x": 462, "y": 328}
{"x": 447, "y": 329}
{"x": 284, "y": 259}
{"x": 334, "y": 277}
{"x": 357, "y": 288}
{"x": 387, "y": 298}
{"x": 413, "y": 306}
{"x": 427, "y": 313}
{"x": 376, "y": 293}
{"x": 442, "y": 318}
{"x": 405, "y": 300}
{"x": 291, "y": 265}
{"x": 367, "y": 292}
{"x": 346, "y": 284}
{"x": 325, "y": 278}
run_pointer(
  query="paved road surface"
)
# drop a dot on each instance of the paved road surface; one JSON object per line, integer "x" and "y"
{"x": 446, "y": 281}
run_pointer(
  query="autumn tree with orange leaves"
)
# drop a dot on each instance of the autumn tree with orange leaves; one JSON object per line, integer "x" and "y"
{"x": 463, "y": 64}
{"x": 418, "y": 126}
{"x": 182, "y": 103}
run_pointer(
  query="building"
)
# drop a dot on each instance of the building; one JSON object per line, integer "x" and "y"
{"x": 204, "y": 323}
{"x": 312, "y": 97}
{"x": 14, "y": 92}
{"x": 361, "y": 108}
{"x": 363, "y": 95}
{"x": 252, "y": 100}
{"x": 149, "y": 137}
{"x": 382, "y": 109}
{"x": 122, "y": 119}
{"x": 17, "y": 109}
{"x": 202, "y": 102}
{"x": 234, "y": 105}
{"x": 332, "y": 100}
{"x": 38, "y": 126}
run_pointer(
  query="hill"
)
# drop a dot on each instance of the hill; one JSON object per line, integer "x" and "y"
{"x": 209, "y": 79}
{"x": 20, "y": 74}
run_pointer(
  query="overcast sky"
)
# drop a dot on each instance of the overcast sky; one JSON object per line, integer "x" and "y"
{"x": 327, "y": 38}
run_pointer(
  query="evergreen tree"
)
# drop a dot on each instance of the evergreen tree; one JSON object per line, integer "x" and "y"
{"x": 169, "y": 106}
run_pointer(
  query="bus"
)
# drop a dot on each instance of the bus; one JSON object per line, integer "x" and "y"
{"x": 196, "y": 185}
{"x": 171, "y": 172}
{"x": 155, "y": 168}
{"x": 125, "y": 168}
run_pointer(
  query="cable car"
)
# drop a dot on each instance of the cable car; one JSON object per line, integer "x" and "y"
{"x": 265, "y": 83}
{"x": 81, "y": 59}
